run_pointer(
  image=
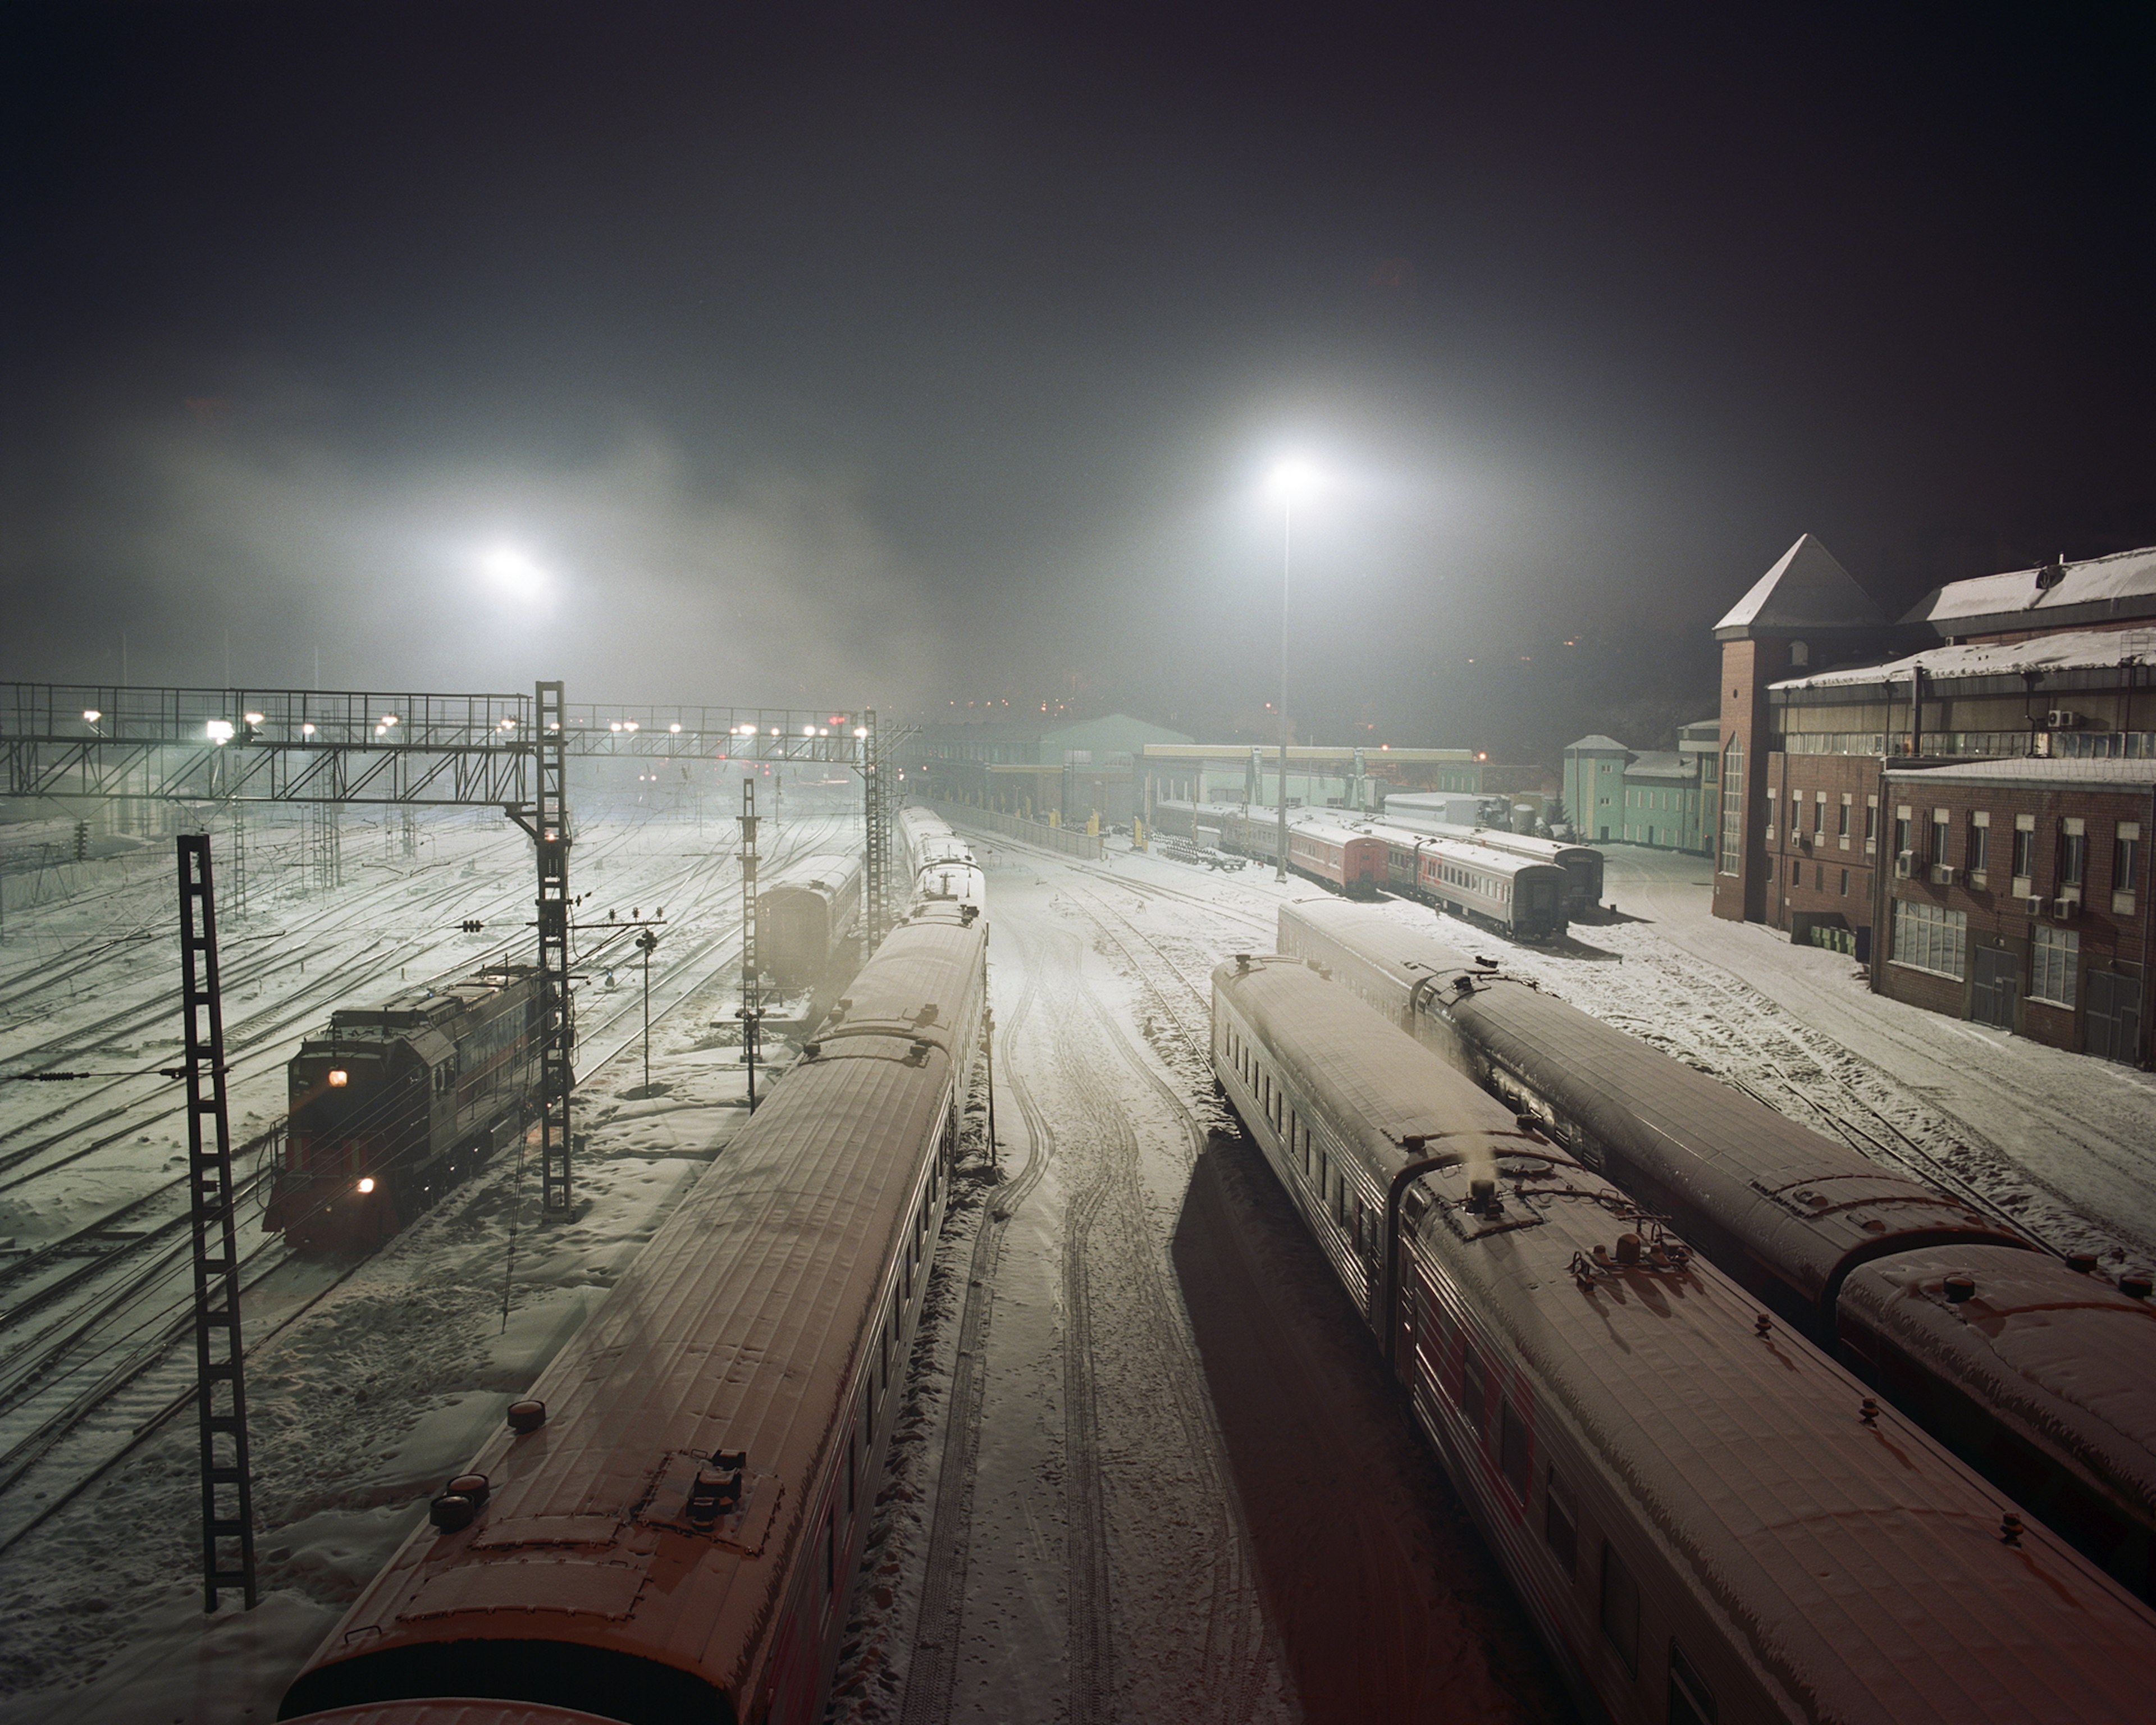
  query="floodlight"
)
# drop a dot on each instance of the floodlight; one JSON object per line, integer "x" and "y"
{"x": 676, "y": 729}
{"x": 860, "y": 731}
{"x": 808, "y": 730}
{"x": 513, "y": 572}
{"x": 339, "y": 1078}
{"x": 1291, "y": 479}
{"x": 254, "y": 718}
{"x": 218, "y": 731}
{"x": 632, "y": 726}
{"x": 616, "y": 725}
{"x": 306, "y": 731}
{"x": 92, "y": 714}
{"x": 365, "y": 1185}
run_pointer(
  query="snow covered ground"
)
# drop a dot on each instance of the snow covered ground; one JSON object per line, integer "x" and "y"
{"x": 368, "y": 1384}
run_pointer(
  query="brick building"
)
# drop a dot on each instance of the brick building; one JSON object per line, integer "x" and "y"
{"x": 2018, "y": 896}
{"x": 1852, "y": 748}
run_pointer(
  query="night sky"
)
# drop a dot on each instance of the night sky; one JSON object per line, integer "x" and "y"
{"x": 921, "y": 355}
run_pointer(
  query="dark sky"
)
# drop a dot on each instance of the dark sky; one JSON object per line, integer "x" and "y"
{"x": 922, "y": 354}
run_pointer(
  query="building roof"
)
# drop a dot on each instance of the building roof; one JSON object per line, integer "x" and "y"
{"x": 2121, "y": 585}
{"x": 1597, "y": 744}
{"x": 1808, "y": 589}
{"x": 1661, "y": 764}
{"x": 2071, "y": 650}
{"x": 2040, "y": 771}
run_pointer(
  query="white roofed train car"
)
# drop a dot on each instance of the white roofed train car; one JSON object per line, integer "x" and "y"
{"x": 1319, "y": 847}
{"x": 1201, "y": 822}
{"x": 1521, "y": 897}
{"x": 1582, "y": 864}
{"x": 1705, "y": 1517}
{"x": 925, "y": 837}
{"x": 2039, "y": 1373}
{"x": 804, "y": 911}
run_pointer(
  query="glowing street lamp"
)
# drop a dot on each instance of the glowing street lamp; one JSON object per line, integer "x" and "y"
{"x": 91, "y": 715}
{"x": 1291, "y": 481}
{"x": 219, "y": 732}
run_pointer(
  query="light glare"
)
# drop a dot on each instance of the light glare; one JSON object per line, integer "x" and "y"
{"x": 92, "y": 714}
{"x": 1291, "y": 479}
{"x": 219, "y": 732}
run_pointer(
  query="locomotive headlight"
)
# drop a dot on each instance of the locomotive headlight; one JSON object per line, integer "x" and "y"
{"x": 339, "y": 1078}
{"x": 365, "y": 1185}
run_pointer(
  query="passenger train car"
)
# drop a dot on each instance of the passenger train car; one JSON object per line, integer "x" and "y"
{"x": 939, "y": 864}
{"x": 391, "y": 1105}
{"x": 1318, "y": 848}
{"x": 1201, "y": 822}
{"x": 1582, "y": 863}
{"x": 1517, "y": 895}
{"x": 2039, "y": 1373}
{"x": 804, "y": 912}
{"x": 1706, "y": 1518}
{"x": 667, "y": 1528}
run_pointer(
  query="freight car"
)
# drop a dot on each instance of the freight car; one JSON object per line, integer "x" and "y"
{"x": 1705, "y": 1515}
{"x": 391, "y": 1105}
{"x": 803, "y": 914}
{"x": 1583, "y": 863}
{"x": 2038, "y": 1372}
{"x": 668, "y": 1528}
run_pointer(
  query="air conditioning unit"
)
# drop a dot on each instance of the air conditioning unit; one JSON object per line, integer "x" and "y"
{"x": 1945, "y": 874}
{"x": 2061, "y": 719}
{"x": 2033, "y": 905}
{"x": 1905, "y": 864}
{"x": 2065, "y": 909}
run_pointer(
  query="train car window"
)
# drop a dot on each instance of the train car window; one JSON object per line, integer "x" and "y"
{"x": 1692, "y": 1702}
{"x": 1620, "y": 1608}
{"x": 1471, "y": 1388}
{"x": 1560, "y": 1522}
{"x": 1512, "y": 1452}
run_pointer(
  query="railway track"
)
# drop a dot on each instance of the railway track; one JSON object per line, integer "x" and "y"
{"x": 43, "y": 1372}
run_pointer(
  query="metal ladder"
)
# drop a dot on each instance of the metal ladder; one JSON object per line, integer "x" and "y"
{"x": 228, "y": 1495}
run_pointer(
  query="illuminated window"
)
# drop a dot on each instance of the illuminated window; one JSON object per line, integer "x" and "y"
{"x": 1732, "y": 805}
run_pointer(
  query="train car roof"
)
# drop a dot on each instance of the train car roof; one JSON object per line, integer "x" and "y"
{"x": 1469, "y": 853}
{"x": 1860, "y": 1564}
{"x": 920, "y": 974}
{"x": 1413, "y": 819}
{"x": 427, "y": 1002}
{"x": 1805, "y": 1203}
{"x": 739, "y": 1327}
{"x": 824, "y": 870}
{"x": 2064, "y": 1359}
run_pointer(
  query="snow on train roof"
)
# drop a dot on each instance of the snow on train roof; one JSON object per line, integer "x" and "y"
{"x": 1474, "y": 853}
{"x": 1862, "y": 1562}
{"x": 925, "y": 967}
{"x": 737, "y": 1328}
{"x": 2067, "y": 1360}
{"x": 1797, "y": 1200}
{"x": 826, "y": 869}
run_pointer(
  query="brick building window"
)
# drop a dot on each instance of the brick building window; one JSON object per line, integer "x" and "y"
{"x": 2125, "y": 861}
{"x": 1732, "y": 805}
{"x": 1844, "y": 883}
{"x": 1871, "y": 822}
{"x": 1841, "y": 826}
{"x": 2055, "y": 956}
{"x": 2073, "y": 850}
{"x": 2025, "y": 852}
{"x": 1901, "y": 831}
{"x": 1931, "y": 937}
{"x": 1942, "y": 838}
{"x": 1980, "y": 842}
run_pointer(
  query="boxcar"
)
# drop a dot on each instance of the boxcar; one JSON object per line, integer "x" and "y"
{"x": 1702, "y": 1513}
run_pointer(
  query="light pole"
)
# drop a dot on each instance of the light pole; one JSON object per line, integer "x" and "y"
{"x": 1290, "y": 479}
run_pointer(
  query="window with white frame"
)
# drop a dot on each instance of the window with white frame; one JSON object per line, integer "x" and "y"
{"x": 1732, "y": 805}
{"x": 1931, "y": 937}
{"x": 2054, "y": 955}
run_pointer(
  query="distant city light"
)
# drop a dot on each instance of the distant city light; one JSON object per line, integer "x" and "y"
{"x": 92, "y": 714}
{"x": 774, "y": 730}
{"x": 219, "y": 732}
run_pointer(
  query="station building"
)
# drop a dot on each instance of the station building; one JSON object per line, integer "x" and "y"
{"x": 1319, "y": 776}
{"x": 1662, "y": 798}
{"x": 1074, "y": 769}
{"x": 1965, "y": 791}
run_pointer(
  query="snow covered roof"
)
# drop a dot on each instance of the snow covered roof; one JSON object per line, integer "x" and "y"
{"x": 2038, "y": 771}
{"x": 1661, "y": 764}
{"x": 2121, "y": 585}
{"x": 1598, "y": 744}
{"x": 2070, "y": 650}
{"x": 1807, "y": 589}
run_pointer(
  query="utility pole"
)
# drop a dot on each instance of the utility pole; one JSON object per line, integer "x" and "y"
{"x": 876, "y": 895}
{"x": 227, "y": 1496}
{"x": 647, "y": 943}
{"x": 751, "y": 1012}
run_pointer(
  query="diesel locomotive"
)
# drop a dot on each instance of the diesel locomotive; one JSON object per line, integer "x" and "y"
{"x": 391, "y": 1105}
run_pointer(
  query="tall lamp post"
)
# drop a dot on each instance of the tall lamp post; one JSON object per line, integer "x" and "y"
{"x": 1290, "y": 480}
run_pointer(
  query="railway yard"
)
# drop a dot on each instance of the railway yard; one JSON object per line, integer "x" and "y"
{"x": 1144, "y": 1463}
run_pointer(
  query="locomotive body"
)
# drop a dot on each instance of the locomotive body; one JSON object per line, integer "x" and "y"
{"x": 390, "y": 1105}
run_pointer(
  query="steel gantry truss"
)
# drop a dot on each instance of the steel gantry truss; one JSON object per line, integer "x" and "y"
{"x": 547, "y": 819}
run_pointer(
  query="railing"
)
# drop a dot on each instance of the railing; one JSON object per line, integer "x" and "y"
{"x": 1069, "y": 840}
